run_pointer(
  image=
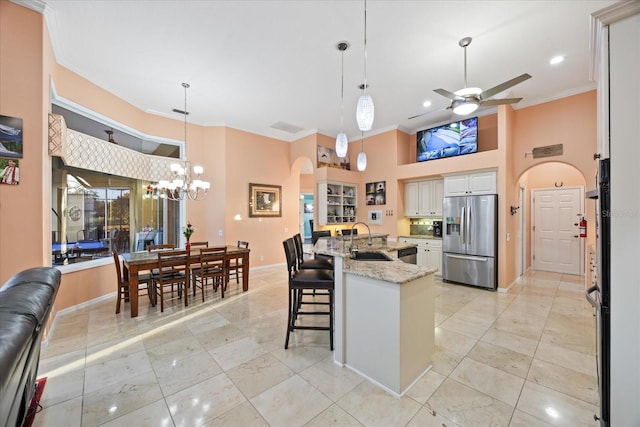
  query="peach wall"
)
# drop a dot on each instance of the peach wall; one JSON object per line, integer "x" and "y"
{"x": 22, "y": 89}
{"x": 507, "y": 196}
{"x": 257, "y": 159}
{"x": 570, "y": 121}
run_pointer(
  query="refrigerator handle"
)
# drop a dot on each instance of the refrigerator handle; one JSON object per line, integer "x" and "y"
{"x": 587, "y": 294}
{"x": 468, "y": 224}
{"x": 463, "y": 229}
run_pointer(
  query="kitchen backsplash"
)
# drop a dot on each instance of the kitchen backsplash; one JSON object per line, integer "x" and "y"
{"x": 422, "y": 226}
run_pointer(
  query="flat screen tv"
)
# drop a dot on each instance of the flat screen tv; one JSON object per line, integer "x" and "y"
{"x": 453, "y": 139}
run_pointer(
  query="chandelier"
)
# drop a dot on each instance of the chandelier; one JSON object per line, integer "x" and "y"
{"x": 186, "y": 180}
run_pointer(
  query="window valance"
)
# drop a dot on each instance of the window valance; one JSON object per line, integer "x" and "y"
{"x": 87, "y": 152}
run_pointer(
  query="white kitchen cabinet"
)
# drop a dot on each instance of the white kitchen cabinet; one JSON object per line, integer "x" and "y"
{"x": 470, "y": 183}
{"x": 336, "y": 203}
{"x": 423, "y": 198}
{"x": 411, "y": 199}
{"x": 429, "y": 252}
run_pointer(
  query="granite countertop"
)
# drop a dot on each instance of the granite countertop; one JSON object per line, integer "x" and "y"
{"x": 394, "y": 271}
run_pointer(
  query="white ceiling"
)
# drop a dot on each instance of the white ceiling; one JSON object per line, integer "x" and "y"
{"x": 251, "y": 64}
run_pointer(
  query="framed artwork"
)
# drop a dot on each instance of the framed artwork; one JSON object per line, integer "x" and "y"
{"x": 327, "y": 157}
{"x": 10, "y": 137}
{"x": 265, "y": 200}
{"x": 9, "y": 171}
{"x": 376, "y": 193}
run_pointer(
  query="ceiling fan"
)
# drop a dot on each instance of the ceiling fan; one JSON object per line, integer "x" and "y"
{"x": 468, "y": 99}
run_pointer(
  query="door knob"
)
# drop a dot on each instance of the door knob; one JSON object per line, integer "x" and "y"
{"x": 576, "y": 236}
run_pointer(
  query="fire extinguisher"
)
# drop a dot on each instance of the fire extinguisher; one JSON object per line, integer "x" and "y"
{"x": 583, "y": 227}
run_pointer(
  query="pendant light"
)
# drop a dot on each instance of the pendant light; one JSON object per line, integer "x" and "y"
{"x": 342, "y": 143}
{"x": 362, "y": 157}
{"x": 365, "y": 109}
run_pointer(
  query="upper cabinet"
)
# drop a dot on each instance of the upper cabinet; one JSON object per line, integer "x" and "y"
{"x": 423, "y": 198}
{"x": 336, "y": 203}
{"x": 470, "y": 183}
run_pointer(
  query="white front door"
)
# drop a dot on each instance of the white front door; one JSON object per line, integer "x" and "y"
{"x": 556, "y": 213}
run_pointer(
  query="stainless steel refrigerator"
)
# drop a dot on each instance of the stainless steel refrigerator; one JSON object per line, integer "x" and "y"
{"x": 470, "y": 240}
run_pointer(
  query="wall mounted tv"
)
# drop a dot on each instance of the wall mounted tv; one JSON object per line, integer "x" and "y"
{"x": 453, "y": 139}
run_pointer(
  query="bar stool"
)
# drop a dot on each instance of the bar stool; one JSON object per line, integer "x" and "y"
{"x": 300, "y": 280}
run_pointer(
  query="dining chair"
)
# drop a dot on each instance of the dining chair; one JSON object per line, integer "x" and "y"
{"x": 173, "y": 269}
{"x": 236, "y": 266}
{"x": 211, "y": 266}
{"x": 162, "y": 246}
{"x": 199, "y": 244}
{"x": 123, "y": 284}
{"x": 300, "y": 280}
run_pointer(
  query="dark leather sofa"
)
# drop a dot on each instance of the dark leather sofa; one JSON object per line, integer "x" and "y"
{"x": 26, "y": 300}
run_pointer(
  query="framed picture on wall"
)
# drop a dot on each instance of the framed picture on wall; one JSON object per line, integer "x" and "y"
{"x": 327, "y": 157}
{"x": 265, "y": 200}
{"x": 10, "y": 137}
{"x": 9, "y": 171}
{"x": 376, "y": 193}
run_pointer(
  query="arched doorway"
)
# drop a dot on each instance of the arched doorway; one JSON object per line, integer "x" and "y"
{"x": 304, "y": 168}
{"x": 552, "y": 202}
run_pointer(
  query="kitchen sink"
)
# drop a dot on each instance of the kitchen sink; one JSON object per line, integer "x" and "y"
{"x": 370, "y": 256}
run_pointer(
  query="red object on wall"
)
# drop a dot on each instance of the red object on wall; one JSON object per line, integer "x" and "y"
{"x": 583, "y": 227}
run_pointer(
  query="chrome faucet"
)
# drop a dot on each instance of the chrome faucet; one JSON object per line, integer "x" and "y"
{"x": 369, "y": 242}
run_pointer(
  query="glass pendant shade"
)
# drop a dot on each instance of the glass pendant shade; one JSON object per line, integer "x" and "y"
{"x": 362, "y": 161}
{"x": 364, "y": 112}
{"x": 342, "y": 144}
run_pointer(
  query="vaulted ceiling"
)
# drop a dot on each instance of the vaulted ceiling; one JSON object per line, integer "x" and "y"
{"x": 252, "y": 64}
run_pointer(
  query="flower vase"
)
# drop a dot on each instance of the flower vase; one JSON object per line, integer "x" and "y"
{"x": 188, "y": 246}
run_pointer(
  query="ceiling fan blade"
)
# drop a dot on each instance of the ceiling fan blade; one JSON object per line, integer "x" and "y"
{"x": 500, "y": 101}
{"x": 429, "y": 112}
{"x": 504, "y": 86}
{"x": 448, "y": 94}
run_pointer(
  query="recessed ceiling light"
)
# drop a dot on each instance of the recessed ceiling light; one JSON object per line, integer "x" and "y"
{"x": 556, "y": 59}
{"x": 426, "y": 104}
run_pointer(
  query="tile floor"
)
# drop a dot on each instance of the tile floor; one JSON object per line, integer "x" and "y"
{"x": 524, "y": 358}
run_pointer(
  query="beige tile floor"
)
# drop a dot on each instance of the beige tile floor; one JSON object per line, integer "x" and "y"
{"x": 522, "y": 358}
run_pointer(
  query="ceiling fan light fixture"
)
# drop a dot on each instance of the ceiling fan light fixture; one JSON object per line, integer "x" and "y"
{"x": 468, "y": 106}
{"x": 469, "y": 91}
{"x": 342, "y": 144}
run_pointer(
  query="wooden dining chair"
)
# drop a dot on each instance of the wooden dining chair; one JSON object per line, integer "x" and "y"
{"x": 236, "y": 266}
{"x": 212, "y": 267}
{"x": 199, "y": 245}
{"x": 173, "y": 269}
{"x": 162, "y": 246}
{"x": 123, "y": 284}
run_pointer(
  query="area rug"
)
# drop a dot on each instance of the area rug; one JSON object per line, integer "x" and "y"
{"x": 34, "y": 408}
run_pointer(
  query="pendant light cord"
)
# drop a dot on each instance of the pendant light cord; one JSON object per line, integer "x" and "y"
{"x": 185, "y": 86}
{"x": 342, "y": 96}
{"x": 365, "y": 47}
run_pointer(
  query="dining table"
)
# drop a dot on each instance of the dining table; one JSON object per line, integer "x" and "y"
{"x": 135, "y": 262}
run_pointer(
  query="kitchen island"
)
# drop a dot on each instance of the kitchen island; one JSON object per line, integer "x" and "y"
{"x": 384, "y": 313}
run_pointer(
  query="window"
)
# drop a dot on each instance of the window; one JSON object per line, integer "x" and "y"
{"x": 94, "y": 213}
